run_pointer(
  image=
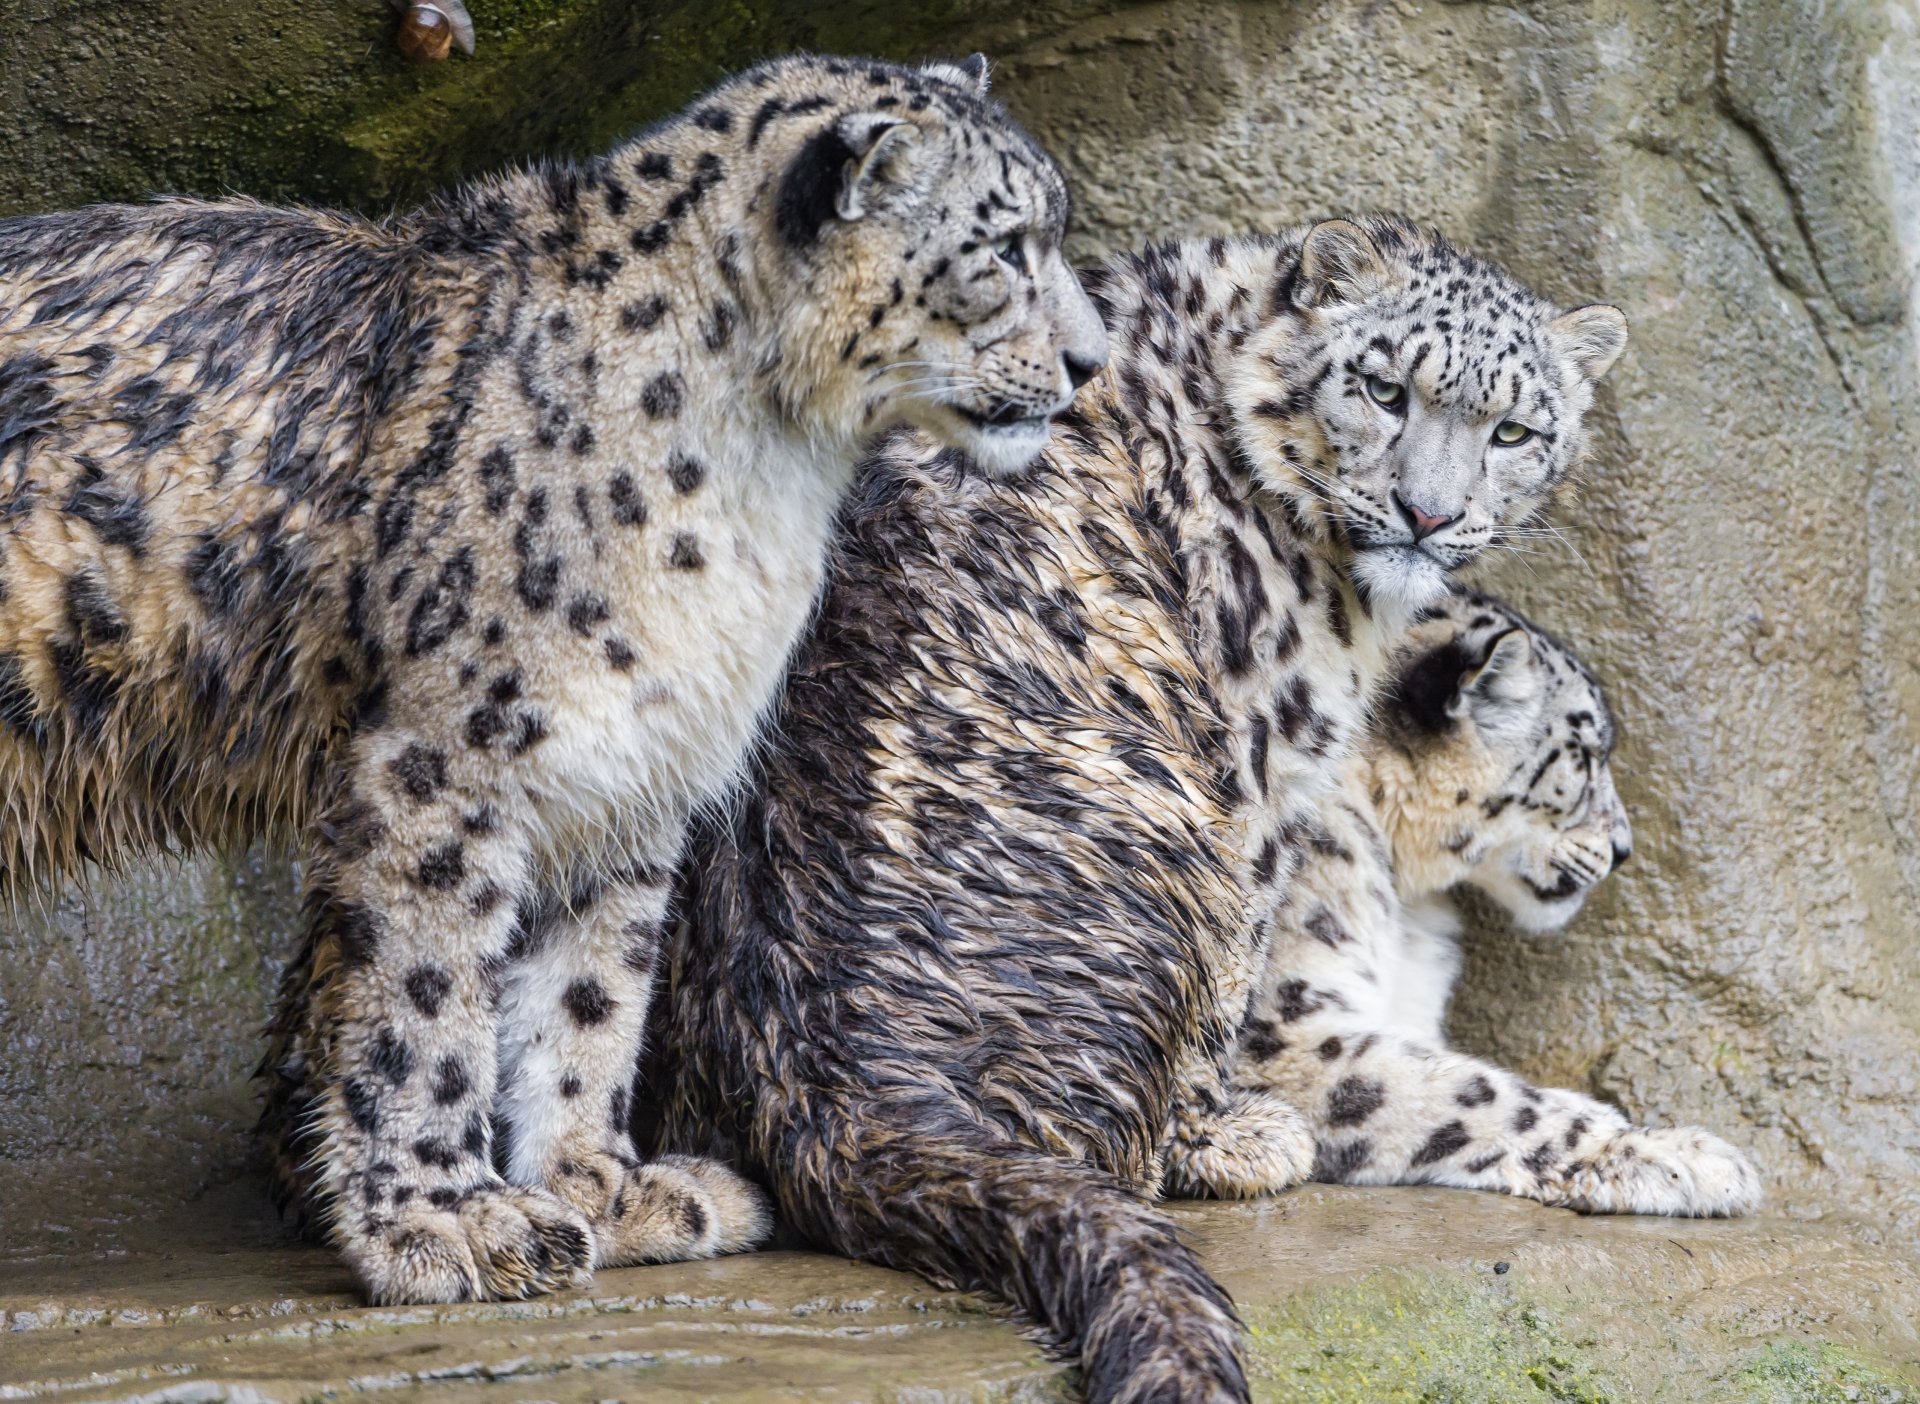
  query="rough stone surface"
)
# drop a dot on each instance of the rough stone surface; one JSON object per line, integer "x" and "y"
{"x": 1351, "y": 1296}
{"x": 1743, "y": 562}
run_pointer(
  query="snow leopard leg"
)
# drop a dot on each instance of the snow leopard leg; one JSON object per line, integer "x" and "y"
{"x": 1227, "y": 1138}
{"x": 573, "y": 1018}
{"x": 1388, "y": 1110}
{"x": 387, "y": 1033}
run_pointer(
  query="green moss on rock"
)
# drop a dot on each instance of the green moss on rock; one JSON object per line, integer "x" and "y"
{"x": 1789, "y": 1372}
{"x": 1405, "y": 1338}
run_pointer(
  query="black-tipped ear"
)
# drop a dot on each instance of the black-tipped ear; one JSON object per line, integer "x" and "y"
{"x": 1503, "y": 677}
{"x": 841, "y": 172}
{"x": 1590, "y": 337}
{"x": 1338, "y": 263}
{"x": 1425, "y": 692}
{"x": 970, "y": 72}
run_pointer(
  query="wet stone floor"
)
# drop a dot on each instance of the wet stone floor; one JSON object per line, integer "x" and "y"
{"x": 1349, "y": 1294}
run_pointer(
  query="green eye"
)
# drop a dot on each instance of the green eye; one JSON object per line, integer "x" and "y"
{"x": 1385, "y": 392}
{"x": 1507, "y": 433}
{"x": 1012, "y": 251}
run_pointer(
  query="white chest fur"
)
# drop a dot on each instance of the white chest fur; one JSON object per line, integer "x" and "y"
{"x": 712, "y": 600}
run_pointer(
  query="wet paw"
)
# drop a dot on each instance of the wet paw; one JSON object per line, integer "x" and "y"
{"x": 500, "y": 1242}
{"x": 1682, "y": 1171}
{"x": 666, "y": 1210}
{"x": 1259, "y": 1145}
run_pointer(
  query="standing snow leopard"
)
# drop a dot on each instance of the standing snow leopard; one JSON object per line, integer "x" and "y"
{"x": 986, "y": 921}
{"x": 1487, "y": 766}
{"x": 470, "y": 546}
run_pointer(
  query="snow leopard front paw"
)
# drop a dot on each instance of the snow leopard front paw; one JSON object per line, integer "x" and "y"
{"x": 667, "y": 1210}
{"x": 1258, "y": 1145}
{"x": 1683, "y": 1171}
{"x": 498, "y": 1242}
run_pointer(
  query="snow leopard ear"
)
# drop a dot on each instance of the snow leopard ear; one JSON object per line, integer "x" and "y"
{"x": 1590, "y": 337}
{"x": 1338, "y": 263}
{"x": 969, "y": 73}
{"x": 879, "y": 164}
{"x": 1503, "y": 679}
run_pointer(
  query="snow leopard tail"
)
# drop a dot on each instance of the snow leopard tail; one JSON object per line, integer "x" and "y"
{"x": 1101, "y": 1271}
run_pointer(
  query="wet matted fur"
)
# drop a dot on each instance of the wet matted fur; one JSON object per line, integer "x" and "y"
{"x": 470, "y": 546}
{"x": 979, "y": 936}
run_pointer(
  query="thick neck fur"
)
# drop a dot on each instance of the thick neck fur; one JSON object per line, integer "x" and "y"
{"x": 1294, "y": 649}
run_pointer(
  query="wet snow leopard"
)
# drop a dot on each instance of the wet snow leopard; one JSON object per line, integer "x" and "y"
{"x": 469, "y": 546}
{"x": 1488, "y": 764}
{"x": 987, "y": 917}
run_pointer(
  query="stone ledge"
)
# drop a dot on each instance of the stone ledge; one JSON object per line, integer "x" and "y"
{"x": 1375, "y": 1295}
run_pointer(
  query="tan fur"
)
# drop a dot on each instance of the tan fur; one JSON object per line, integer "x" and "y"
{"x": 468, "y": 547}
{"x": 1487, "y": 767}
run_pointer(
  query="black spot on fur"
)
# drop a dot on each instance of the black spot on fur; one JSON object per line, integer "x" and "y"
{"x": 1477, "y": 1093}
{"x": 427, "y": 987}
{"x": 391, "y": 1058}
{"x": 685, "y": 472}
{"x": 1442, "y": 1143}
{"x": 436, "y": 1153}
{"x": 216, "y": 576}
{"x": 441, "y": 611}
{"x": 692, "y": 1216}
{"x": 629, "y": 508}
{"x": 1325, "y": 928}
{"x": 1353, "y": 1100}
{"x": 29, "y": 405}
{"x": 1334, "y": 1165}
{"x": 117, "y": 517}
{"x": 91, "y": 612}
{"x": 585, "y": 612}
{"x": 1294, "y": 1000}
{"x": 420, "y": 770}
{"x": 496, "y": 479}
{"x": 664, "y": 396}
{"x": 569, "y": 1086}
{"x": 651, "y": 238}
{"x": 1525, "y": 1120}
{"x": 587, "y": 1002}
{"x": 717, "y": 330}
{"x": 450, "y": 1081}
{"x": 620, "y": 656}
{"x": 643, "y": 315}
{"x": 442, "y": 868}
{"x": 686, "y": 554}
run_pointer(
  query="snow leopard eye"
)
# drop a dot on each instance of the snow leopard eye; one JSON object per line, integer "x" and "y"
{"x": 1012, "y": 251}
{"x": 1385, "y": 393}
{"x": 1507, "y": 433}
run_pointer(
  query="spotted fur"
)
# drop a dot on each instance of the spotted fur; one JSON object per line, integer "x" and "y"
{"x": 984, "y": 928}
{"x": 469, "y": 546}
{"x": 1488, "y": 767}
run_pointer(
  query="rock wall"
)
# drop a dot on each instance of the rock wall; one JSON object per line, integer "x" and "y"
{"x": 1742, "y": 561}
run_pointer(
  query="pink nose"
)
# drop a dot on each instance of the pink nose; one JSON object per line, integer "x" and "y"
{"x": 1422, "y": 524}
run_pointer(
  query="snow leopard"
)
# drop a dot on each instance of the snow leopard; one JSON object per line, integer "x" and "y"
{"x": 467, "y": 547}
{"x": 1488, "y": 766}
{"x": 964, "y": 966}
